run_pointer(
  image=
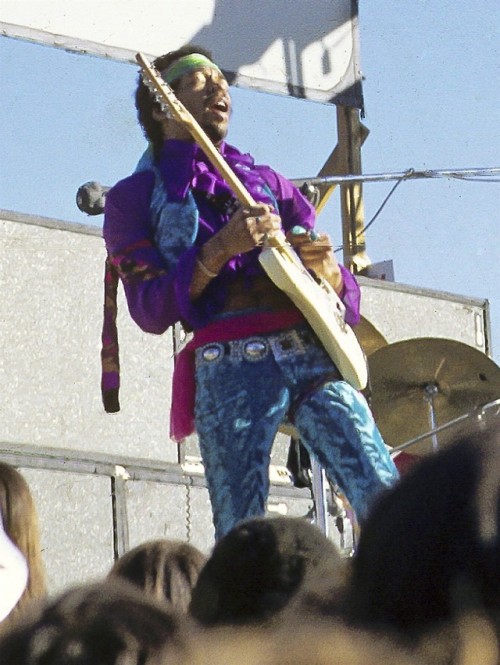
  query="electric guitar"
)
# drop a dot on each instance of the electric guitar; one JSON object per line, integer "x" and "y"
{"x": 314, "y": 297}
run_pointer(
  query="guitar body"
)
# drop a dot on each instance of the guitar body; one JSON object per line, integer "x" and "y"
{"x": 321, "y": 306}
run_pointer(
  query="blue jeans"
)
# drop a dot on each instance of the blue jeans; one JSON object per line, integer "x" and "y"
{"x": 246, "y": 388}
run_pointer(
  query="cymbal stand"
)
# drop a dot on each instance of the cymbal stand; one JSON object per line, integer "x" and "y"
{"x": 480, "y": 413}
{"x": 430, "y": 392}
{"x": 428, "y": 435}
{"x": 319, "y": 494}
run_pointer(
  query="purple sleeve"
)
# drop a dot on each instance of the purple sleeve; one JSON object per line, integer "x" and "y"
{"x": 156, "y": 298}
{"x": 350, "y": 296}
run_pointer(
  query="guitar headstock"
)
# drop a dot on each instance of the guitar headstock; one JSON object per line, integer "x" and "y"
{"x": 162, "y": 92}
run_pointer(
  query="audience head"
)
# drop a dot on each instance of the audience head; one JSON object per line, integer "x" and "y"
{"x": 430, "y": 549}
{"x": 298, "y": 644}
{"x": 165, "y": 569}
{"x": 257, "y": 568}
{"x": 108, "y": 623}
{"x": 13, "y": 574}
{"x": 20, "y": 523}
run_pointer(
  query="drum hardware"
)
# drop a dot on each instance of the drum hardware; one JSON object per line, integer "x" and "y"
{"x": 432, "y": 433}
{"x": 319, "y": 495}
{"x": 430, "y": 391}
{"x": 483, "y": 413}
{"x": 424, "y": 382}
{"x": 369, "y": 338}
{"x": 327, "y": 498}
{"x": 479, "y": 414}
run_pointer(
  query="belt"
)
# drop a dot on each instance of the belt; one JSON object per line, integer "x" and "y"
{"x": 285, "y": 343}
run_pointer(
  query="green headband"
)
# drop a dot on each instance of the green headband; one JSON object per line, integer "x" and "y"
{"x": 187, "y": 64}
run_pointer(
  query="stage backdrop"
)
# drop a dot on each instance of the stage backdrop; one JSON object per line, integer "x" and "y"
{"x": 283, "y": 46}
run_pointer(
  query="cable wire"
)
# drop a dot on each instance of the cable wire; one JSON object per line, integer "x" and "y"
{"x": 407, "y": 175}
{"x": 474, "y": 175}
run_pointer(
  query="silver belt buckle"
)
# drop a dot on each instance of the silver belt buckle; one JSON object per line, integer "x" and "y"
{"x": 255, "y": 349}
{"x": 212, "y": 352}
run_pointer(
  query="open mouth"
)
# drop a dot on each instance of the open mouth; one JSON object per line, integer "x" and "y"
{"x": 219, "y": 106}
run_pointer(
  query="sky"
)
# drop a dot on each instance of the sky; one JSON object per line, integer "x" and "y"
{"x": 431, "y": 72}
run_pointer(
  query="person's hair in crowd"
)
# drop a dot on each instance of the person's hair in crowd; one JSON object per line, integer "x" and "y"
{"x": 105, "y": 623}
{"x": 430, "y": 550}
{"x": 20, "y": 522}
{"x": 145, "y": 101}
{"x": 165, "y": 569}
{"x": 257, "y": 568}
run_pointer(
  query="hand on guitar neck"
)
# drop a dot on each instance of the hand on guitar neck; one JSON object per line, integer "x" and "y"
{"x": 316, "y": 253}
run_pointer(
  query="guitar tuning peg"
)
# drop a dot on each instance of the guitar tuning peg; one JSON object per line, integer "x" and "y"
{"x": 165, "y": 109}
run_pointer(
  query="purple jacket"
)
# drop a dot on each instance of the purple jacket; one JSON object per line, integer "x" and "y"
{"x": 158, "y": 294}
{"x": 157, "y": 298}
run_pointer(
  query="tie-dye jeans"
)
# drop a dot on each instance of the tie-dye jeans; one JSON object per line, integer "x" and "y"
{"x": 246, "y": 388}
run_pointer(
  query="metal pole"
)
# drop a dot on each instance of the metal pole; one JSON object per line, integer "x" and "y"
{"x": 349, "y": 140}
{"x": 319, "y": 494}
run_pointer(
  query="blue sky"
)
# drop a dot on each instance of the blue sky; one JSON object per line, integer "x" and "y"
{"x": 432, "y": 102}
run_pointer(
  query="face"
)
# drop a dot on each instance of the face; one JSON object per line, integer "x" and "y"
{"x": 205, "y": 94}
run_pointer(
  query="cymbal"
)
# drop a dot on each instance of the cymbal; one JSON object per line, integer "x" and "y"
{"x": 369, "y": 338}
{"x": 461, "y": 377}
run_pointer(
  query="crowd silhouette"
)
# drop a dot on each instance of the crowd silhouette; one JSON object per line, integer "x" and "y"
{"x": 421, "y": 588}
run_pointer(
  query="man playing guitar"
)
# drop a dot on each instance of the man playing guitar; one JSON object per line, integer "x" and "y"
{"x": 187, "y": 250}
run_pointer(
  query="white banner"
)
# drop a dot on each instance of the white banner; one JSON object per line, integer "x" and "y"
{"x": 291, "y": 47}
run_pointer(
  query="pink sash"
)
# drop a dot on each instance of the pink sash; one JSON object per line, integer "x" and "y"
{"x": 222, "y": 330}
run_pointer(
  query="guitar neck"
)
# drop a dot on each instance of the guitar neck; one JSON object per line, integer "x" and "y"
{"x": 183, "y": 115}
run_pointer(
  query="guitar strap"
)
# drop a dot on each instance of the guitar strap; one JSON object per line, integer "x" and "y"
{"x": 171, "y": 239}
